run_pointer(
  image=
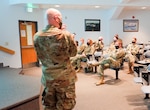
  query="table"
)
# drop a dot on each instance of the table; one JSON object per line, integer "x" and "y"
{"x": 139, "y": 55}
{"x": 145, "y": 76}
{"x": 144, "y": 62}
{"x": 145, "y": 89}
{"x": 141, "y": 64}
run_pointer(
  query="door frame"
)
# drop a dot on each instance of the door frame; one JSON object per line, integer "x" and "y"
{"x": 36, "y": 29}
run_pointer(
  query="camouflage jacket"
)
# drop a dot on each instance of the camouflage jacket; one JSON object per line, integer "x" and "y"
{"x": 99, "y": 46}
{"x": 118, "y": 54}
{"x": 133, "y": 48}
{"x": 89, "y": 50}
{"x": 81, "y": 48}
{"x": 54, "y": 47}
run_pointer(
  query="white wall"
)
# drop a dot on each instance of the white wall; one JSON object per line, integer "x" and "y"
{"x": 10, "y": 30}
{"x": 144, "y": 26}
{"x": 109, "y": 27}
{"x": 74, "y": 19}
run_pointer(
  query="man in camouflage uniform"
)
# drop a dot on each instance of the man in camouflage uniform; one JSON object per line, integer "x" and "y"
{"x": 76, "y": 60}
{"x": 112, "y": 45}
{"x": 82, "y": 46}
{"x": 99, "y": 45}
{"x": 113, "y": 61}
{"x": 89, "y": 49}
{"x": 98, "y": 48}
{"x": 132, "y": 50}
{"x": 54, "y": 48}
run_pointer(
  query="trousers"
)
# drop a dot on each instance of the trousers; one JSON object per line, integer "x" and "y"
{"x": 59, "y": 98}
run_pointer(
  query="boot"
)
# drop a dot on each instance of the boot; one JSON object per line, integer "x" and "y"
{"x": 101, "y": 81}
{"x": 77, "y": 70}
{"x": 130, "y": 71}
{"x": 130, "y": 68}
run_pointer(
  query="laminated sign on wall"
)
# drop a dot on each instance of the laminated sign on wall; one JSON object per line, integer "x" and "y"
{"x": 29, "y": 35}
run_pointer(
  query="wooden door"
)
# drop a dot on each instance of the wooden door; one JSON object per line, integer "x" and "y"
{"x": 27, "y": 30}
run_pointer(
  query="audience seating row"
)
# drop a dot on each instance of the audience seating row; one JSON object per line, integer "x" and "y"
{"x": 142, "y": 75}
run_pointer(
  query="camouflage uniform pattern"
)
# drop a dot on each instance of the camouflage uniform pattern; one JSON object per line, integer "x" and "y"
{"x": 132, "y": 50}
{"x": 99, "y": 46}
{"x": 88, "y": 50}
{"x": 54, "y": 48}
{"x": 76, "y": 61}
{"x": 111, "y": 47}
{"x": 98, "y": 52}
{"x": 64, "y": 97}
{"x": 81, "y": 48}
{"x": 113, "y": 61}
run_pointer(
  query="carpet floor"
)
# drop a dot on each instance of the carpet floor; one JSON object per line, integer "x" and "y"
{"x": 121, "y": 94}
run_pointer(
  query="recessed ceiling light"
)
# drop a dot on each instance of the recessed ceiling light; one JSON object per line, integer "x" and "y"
{"x": 143, "y": 8}
{"x": 57, "y": 5}
{"x": 97, "y": 6}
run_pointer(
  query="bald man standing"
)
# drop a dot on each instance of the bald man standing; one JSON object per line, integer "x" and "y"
{"x": 54, "y": 47}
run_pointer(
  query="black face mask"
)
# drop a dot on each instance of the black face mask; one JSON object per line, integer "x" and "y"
{"x": 88, "y": 43}
{"x": 60, "y": 25}
{"x": 99, "y": 40}
{"x": 133, "y": 42}
{"x": 117, "y": 47}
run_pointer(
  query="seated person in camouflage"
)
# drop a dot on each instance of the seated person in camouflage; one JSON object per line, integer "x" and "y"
{"x": 89, "y": 49}
{"x": 131, "y": 51}
{"x": 76, "y": 60}
{"x": 99, "y": 45}
{"x": 112, "y": 45}
{"x": 82, "y": 46}
{"x": 113, "y": 61}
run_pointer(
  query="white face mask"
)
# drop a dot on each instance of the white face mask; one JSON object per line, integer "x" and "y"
{"x": 115, "y": 39}
{"x": 81, "y": 42}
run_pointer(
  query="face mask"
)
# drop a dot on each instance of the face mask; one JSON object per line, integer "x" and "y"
{"x": 88, "y": 43}
{"x": 60, "y": 25}
{"x": 99, "y": 39}
{"x": 115, "y": 40}
{"x": 117, "y": 47}
{"x": 60, "y": 22}
{"x": 133, "y": 42}
{"x": 77, "y": 43}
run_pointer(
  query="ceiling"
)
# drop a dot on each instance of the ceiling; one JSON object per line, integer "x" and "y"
{"x": 126, "y": 6}
{"x": 85, "y": 4}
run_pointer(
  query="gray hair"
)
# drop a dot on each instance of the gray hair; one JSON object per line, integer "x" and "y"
{"x": 51, "y": 12}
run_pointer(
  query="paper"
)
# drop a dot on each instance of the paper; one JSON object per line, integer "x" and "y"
{"x": 29, "y": 35}
{"x": 23, "y": 33}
